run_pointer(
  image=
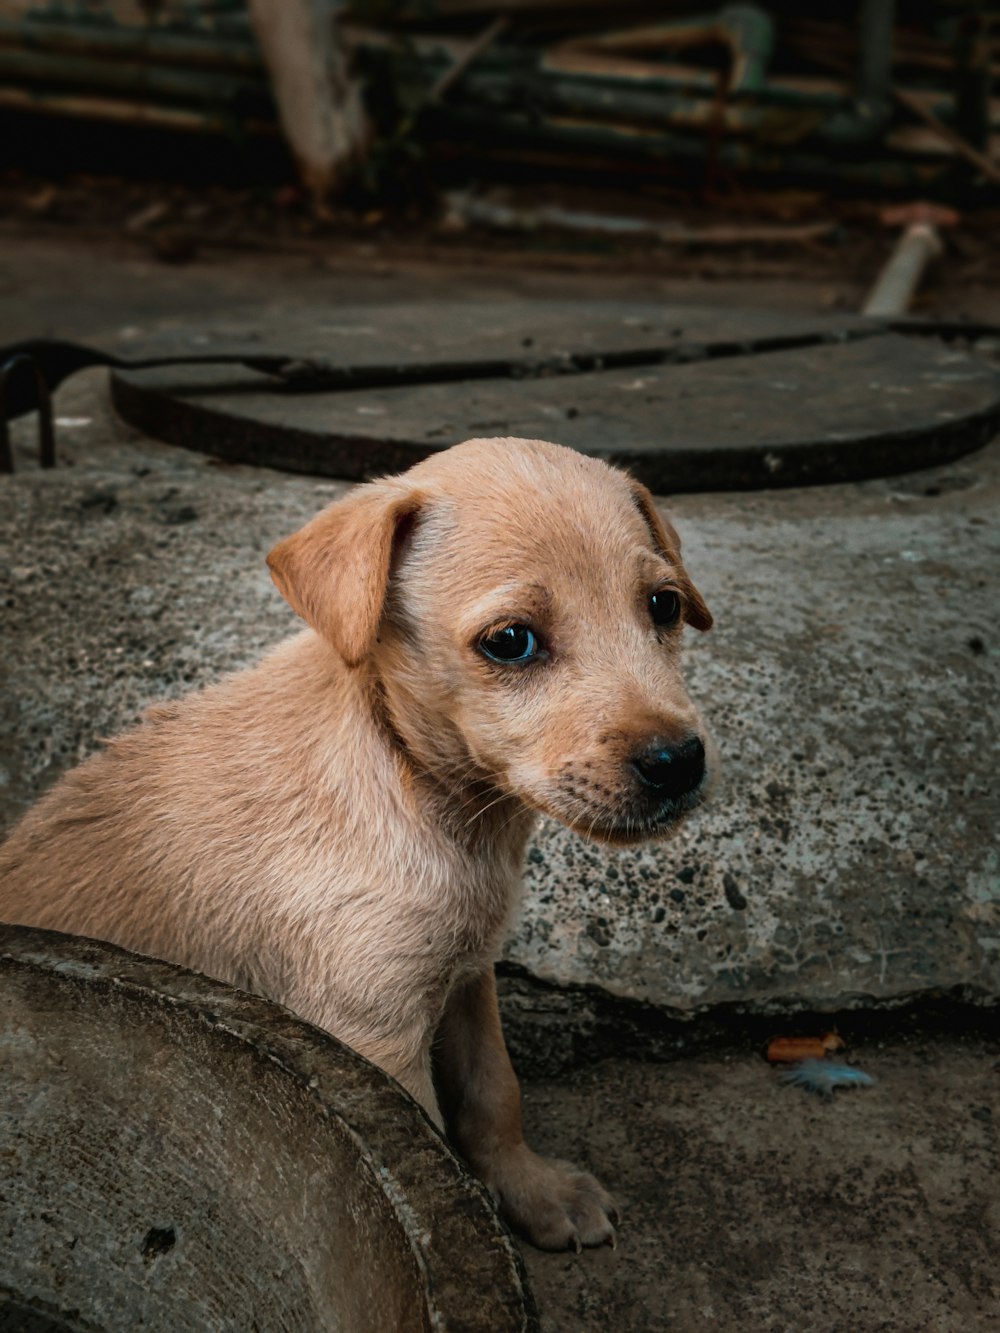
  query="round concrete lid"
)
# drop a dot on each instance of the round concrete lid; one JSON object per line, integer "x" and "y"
{"x": 179, "y": 1154}
{"x": 687, "y": 398}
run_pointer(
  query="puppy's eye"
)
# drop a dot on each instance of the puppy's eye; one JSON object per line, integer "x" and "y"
{"x": 513, "y": 643}
{"x": 665, "y": 608}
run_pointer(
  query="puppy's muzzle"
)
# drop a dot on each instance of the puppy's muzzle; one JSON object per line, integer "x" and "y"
{"x": 669, "y": 772}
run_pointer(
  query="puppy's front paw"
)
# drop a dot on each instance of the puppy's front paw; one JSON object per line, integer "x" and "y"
{"x": 555, "y": 1205}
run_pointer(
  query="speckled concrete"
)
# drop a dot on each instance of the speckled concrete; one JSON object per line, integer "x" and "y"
{"x": 179, "y": 1155}
{"x": 751, "y": 1206}
{"x": 851, "y": 682}
{"x": 138, "y": 573}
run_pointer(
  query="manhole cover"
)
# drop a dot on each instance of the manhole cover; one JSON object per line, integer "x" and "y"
{"x": 687, "y": 398}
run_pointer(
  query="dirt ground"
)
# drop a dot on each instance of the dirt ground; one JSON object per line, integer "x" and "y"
{"x": 172, "y": 232}
{"x": 746, "y": 1205}
{"x": 750, "y": 1205}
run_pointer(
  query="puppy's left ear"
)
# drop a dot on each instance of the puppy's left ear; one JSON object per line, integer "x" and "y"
{"x": 335, "y": 571}
{"x": 667, "y": 542}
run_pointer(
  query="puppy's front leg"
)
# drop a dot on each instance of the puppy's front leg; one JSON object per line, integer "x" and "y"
{"x": 554, "y": 1204}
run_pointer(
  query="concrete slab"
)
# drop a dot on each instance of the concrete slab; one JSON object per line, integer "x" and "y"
{"x": 181, "y": 1155}
{"x": 849, "y": 857}
{"x": 732, "y": 412}
{"x": 828, "y": 412}
{"x": 743, "y": 1207}
{"x": 747, "y": 1205}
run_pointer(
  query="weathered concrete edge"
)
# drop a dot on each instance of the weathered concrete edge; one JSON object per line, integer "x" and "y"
{"x": 767, "y": 465}
{"x": 552, "y": 1027}
{"x": 407, "y": 1159}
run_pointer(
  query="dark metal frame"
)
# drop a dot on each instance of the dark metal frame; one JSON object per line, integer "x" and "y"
{"x": 10, "y": 368}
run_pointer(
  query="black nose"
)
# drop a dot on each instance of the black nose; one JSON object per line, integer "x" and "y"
{"x": 671, "y": 770}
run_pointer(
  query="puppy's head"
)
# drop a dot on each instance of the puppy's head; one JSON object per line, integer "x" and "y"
{"x": 521, "y": 606}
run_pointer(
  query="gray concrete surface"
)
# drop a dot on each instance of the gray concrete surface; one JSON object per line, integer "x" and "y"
{"x": 179, "y": 1155}
{"x": 754, "y": 1207}
{"x": 858, "y": 402}
{"x": 849, "y": 854}
{"x": 851, "y": 681}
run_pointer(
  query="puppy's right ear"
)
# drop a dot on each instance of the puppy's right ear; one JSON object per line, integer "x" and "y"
{"x": 335, "y": 571}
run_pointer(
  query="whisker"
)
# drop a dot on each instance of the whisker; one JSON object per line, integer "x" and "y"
{"x": 510, "y": 819}
{"x": 479, "y": 813}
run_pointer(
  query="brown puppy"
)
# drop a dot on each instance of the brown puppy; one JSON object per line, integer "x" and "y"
{"x": 495, "y": 633}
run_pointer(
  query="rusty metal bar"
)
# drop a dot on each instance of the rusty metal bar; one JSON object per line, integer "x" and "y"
{"x": 744, "y": 30}
{"x": 118, "y": 42}
{"x": 196, "y": 87}
{"x": 504, "y": 217}
{"x": 954, "y": 141}
{"x": 476, "y": 48}
{"x": 46, "y": 429}
{"x": 123, "y": 111}
{"x": 624, "y": 148}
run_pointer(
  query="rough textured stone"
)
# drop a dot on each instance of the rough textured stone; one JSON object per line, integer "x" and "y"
{"x": 850, "y": 682}
{"x": 748, "y": 1205}
{"x": 827, "y": 411}
{"x": 744, "y": 1205}
{"x": 180, "y": 1155}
